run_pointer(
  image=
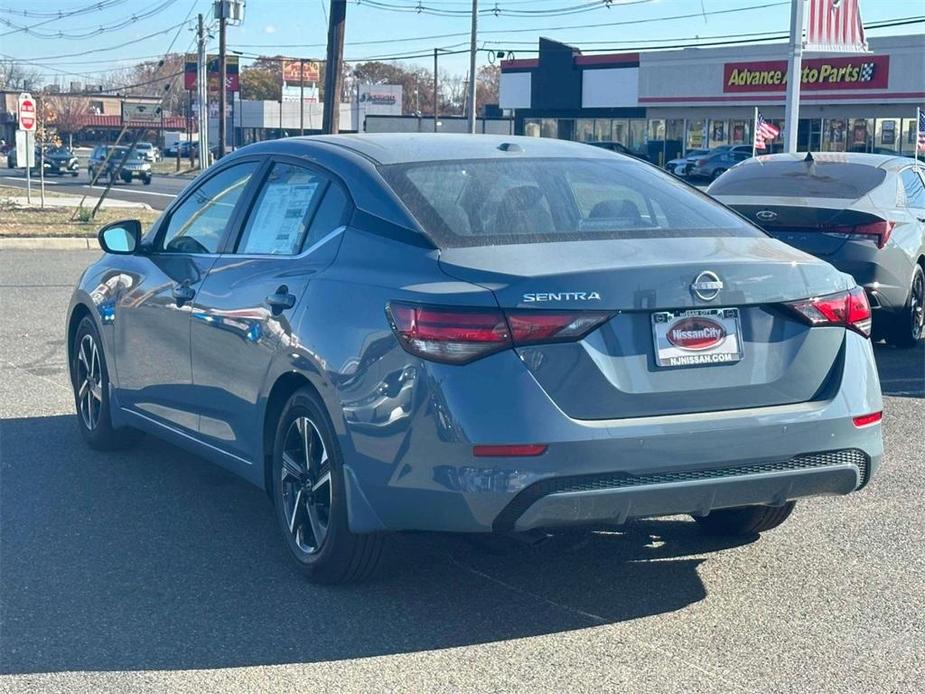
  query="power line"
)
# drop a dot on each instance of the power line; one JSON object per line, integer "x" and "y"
{"x": 497, "y": 10}
{"x": 103, "y": 5}
{"x": 61, "y": 14}
{"x": 105, "y": 48}
{"x": 102, "y": 29}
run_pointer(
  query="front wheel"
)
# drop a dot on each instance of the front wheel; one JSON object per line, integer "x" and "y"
{"x": 91, "y": 392}
{"x": 146, "y": 180}
{"x": 717, "y": 173}
{"x": 747, "y": 520}
{"x": 309, "y": 494}
{"x": 906, "y": 328}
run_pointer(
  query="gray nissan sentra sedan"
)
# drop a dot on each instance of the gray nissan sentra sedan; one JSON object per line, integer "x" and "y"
{"x": 475, "y": 334}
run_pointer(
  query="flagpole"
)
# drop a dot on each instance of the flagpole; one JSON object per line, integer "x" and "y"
{"x": 755, "y": 132}
{"x": 918, "y": 121}
{"x": 794, "y": 73}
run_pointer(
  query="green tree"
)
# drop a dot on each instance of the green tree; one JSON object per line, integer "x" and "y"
{"x": 260, "y": 84}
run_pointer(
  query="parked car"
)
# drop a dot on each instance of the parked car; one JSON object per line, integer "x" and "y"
{"x": 681, "y": 165}
{"x": 863, "y": 213}
{"x": 475, "y": 333}
{"x": 148, "y": 151}
{"x": 12, "y": 162}
{"x": 715, "y": 164}
{"x": 135, "y": 166}
{"x": 619, "y": 148}
{"x": 183, "y": 147}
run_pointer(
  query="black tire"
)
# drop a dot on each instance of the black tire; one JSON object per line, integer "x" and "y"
{"x": 90, "y": 383}
{"x": 717, "y": 173}
{"x": 74, "y": 173}
{"x": 905, "y": 329}
{"x": 747, "y": 520}
{"x": 308, "y": 508}
{"x": 146, "y": 180}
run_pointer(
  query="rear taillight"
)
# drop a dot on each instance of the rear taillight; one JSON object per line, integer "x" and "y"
{"x": 459, "y": 335}
{"x": 865, "y": 420}
{"x": 848, "y": 309}
{"x": 878, "y": 232}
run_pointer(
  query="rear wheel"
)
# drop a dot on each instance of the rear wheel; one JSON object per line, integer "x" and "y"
{"x": 906, "y": 328}
{"x": 146, "y": 180}
{"x": 310, "y": 497}
{"x": 747, "y": 520}
{"x": 91, "y": 392}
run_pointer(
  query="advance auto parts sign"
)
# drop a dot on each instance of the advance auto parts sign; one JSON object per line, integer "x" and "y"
{"x": 818, "y": 74}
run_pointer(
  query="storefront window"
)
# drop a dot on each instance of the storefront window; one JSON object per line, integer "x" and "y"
{"x": 620, "y": 132}
{"x": 532, "y": 127}
{"x": 674, "y": 138}
{"x": 740, "y": 132}
{"x": 602, "y": 130}
{"x": 584, "y": 129}
{"x": 860, "y": 134}
{"x": 637, "y": 139}
{"x": 565, "y": 129}
{"x": 656, "y": 141}
{"x": 887, "y": 135}
{"x": 719, "y": 135}
{"x": 834, "y": 134}
{"x": 695, "y": 134}
{"x": 909, "y": 136}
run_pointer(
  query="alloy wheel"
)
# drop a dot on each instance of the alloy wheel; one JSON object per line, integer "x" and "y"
{"x": 89, "y": 382}
{"x": 917, "y": 305}
{"x": 305, "y": 485}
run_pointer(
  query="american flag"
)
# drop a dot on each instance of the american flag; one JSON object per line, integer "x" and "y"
{"x": 764, "y": 131}
{"x": 921, "y": 131}
{"x": 835, "y": 26}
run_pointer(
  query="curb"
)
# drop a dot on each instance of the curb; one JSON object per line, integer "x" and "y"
{"x": 49, "y": 243}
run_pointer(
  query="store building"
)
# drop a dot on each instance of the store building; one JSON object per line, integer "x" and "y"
{"x": 666, "y": 102}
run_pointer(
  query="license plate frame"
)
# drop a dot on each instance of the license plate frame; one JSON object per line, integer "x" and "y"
{"x": 728, "y": 350}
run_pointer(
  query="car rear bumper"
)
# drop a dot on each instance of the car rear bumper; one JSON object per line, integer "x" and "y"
{"x": 415, "y": 470}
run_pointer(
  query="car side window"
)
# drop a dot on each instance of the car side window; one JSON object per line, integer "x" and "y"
{"x": 279, "y": 221}
{"x": 914, "y": 188}
{"x": 331, "y": 214}
{"x": 199, "y": 223}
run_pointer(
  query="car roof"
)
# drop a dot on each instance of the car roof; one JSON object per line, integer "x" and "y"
{"x": 401, "y": 148}
{"x": 889, "y": 162}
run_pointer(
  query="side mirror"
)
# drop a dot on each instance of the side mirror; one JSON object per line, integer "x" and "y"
{"x": 121, "y": 238}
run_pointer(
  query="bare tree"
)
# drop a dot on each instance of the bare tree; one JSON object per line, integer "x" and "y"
{"x": 68, "y": 114}
{"x": 16, "y": 76}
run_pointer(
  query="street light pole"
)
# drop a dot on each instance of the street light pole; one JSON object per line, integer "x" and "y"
{"x": 202, "y": 92}
{"x": 436, "y": 94}
{"x": 222, "y": 78}
{"x": 472, "y": 41}
{"x": 794, "y": 77}
{"x": 301, "y": 96}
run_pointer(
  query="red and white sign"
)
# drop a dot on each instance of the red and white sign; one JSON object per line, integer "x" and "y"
{"x": 835, "y": 26}
{"x": 818, "y": 74}
{"x": 26, "y": 113}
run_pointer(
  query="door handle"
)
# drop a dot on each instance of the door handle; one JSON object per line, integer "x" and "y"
{"x": 183, "y": 293}
{"x": 280, "y": 301}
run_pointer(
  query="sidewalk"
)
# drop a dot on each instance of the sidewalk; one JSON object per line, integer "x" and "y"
{"x": 59, "y": 200}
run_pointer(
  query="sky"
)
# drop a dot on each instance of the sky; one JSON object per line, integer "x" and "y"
{"x": 387, "y": 28}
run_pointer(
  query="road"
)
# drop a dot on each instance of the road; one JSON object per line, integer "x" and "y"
{"x": 158, "y": 195}
{"x": 153, "y": 571}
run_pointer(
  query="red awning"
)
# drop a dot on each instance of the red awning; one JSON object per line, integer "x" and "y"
{"x": 115, "y": 121}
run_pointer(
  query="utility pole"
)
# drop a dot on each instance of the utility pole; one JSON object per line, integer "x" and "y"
{"x": 333, "y": 80}
{"x": 222, "y": 77}
{"x": 472, "y": 41}
{"x": 794, "y": 77}
{"x": 202, "y": 91}
{"x": 436, "y": 91}
{"x": 301, "y": 96}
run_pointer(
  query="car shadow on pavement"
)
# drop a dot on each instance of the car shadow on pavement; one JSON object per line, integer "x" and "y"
{"x": 901, "y": 370}
{"x": 155, "y": 559}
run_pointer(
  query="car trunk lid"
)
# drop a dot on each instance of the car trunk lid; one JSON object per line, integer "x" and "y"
{"x": 613, "y": 371}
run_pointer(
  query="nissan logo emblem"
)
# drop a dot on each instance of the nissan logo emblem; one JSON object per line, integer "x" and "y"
{"x": 707, "y": 285}
{"x": 766, "y": 215}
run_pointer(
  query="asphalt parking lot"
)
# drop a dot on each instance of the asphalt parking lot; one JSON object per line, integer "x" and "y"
{"x": 154, "y": 571}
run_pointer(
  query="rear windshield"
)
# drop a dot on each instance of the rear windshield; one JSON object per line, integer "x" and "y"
{"x": 493, "y": 201}
{"x": 820, "y": 179}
